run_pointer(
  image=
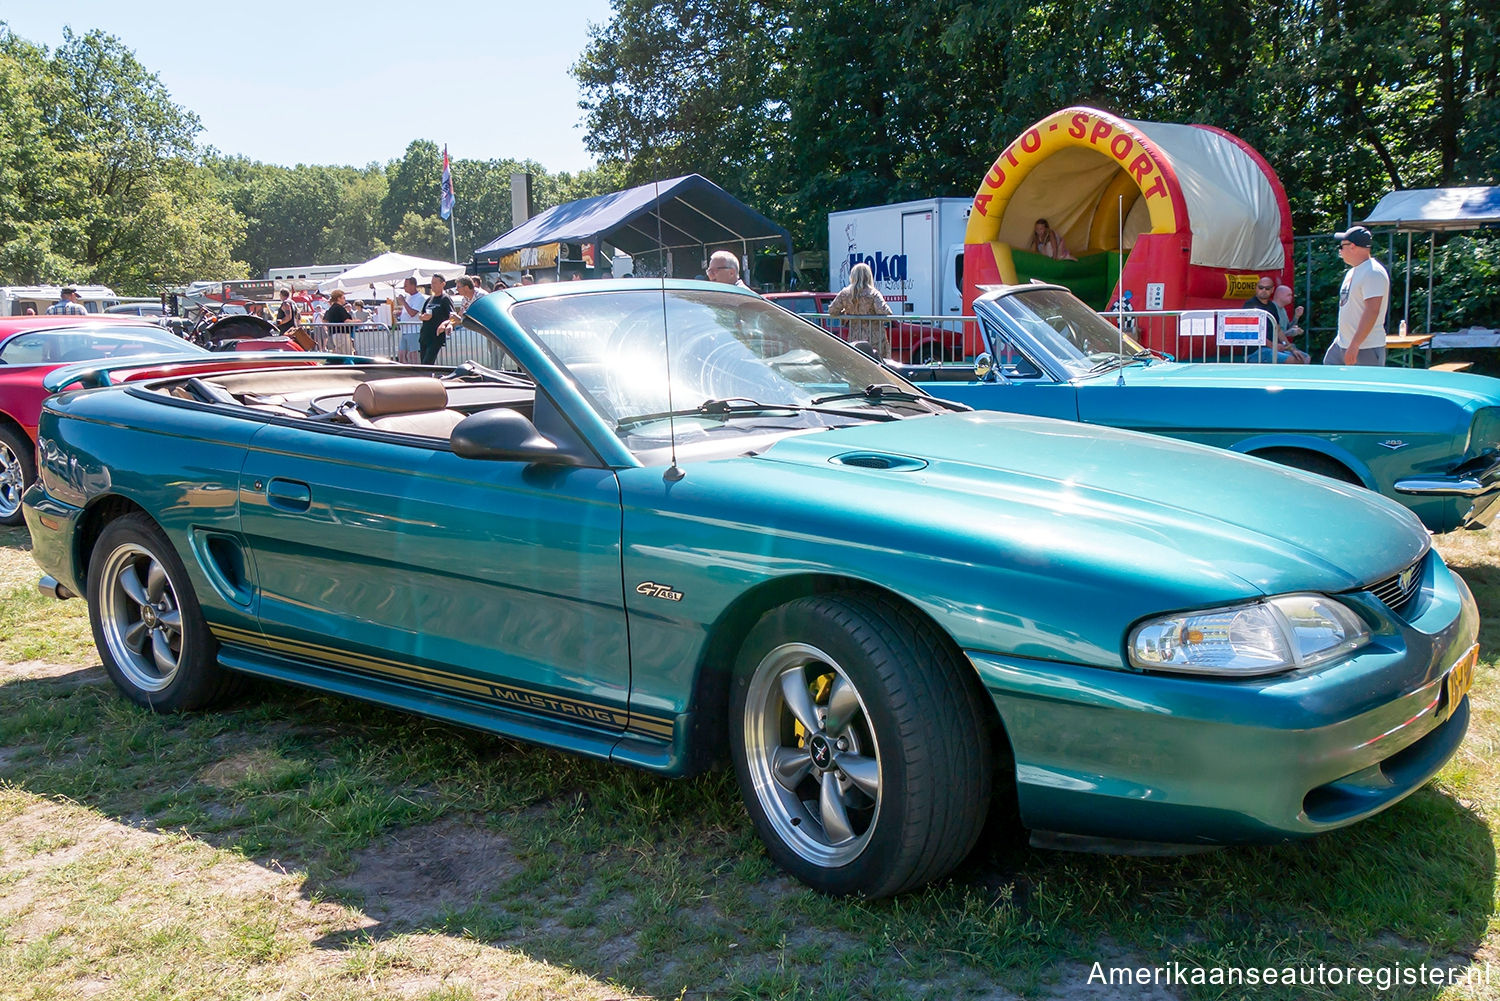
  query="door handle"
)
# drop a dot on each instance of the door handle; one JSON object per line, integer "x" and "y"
{"x": 289, "y": 495}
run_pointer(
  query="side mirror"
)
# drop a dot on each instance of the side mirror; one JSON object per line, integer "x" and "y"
{"x": 984, "y": 366}
{"x": 505, "y": 435}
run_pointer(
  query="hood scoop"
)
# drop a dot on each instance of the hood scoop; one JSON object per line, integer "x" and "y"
{"x": 879, "y": 460}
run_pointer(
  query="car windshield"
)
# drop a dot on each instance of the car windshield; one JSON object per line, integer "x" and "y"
{"x": 1078, "y": 339}
{"x": 60, "y": 345}
{"x": 730, "y": 354}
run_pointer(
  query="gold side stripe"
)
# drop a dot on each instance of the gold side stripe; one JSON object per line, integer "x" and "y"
{"x": 515, "y": 697}
{"x": 381, "y": 663}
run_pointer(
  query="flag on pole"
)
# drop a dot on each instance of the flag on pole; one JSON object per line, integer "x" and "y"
{"x": 445, "y": 206}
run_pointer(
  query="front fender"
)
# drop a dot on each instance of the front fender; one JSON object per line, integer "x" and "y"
{"x": 1308, "y": 443}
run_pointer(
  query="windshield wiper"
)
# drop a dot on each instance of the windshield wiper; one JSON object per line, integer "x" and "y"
{"x": 875, "y": 391}
{"x": 1106, "y": 364}
{"x": 734, "y": 406}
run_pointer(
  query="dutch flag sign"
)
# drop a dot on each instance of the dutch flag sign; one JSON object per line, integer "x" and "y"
{"x": 1242, "y": 328}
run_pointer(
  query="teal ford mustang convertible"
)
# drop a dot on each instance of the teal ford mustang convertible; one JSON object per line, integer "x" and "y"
{"x": 1431, "y": 440}
{"x": 672, "y": 524}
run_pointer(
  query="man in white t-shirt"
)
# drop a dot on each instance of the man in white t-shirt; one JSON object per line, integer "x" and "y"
{"x": 409, "y": 322}
{"x": 1363, "y": 299}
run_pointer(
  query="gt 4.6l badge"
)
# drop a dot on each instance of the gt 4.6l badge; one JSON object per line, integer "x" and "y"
{"x": 651, "y": 590}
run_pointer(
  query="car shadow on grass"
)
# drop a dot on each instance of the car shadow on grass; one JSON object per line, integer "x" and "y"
{"x": 659, "y": 886}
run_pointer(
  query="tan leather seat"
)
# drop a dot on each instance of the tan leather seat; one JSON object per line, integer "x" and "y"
{"x": 412, "y": 405}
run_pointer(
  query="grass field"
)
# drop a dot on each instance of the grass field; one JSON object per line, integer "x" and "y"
{"x": 299, "y": 846}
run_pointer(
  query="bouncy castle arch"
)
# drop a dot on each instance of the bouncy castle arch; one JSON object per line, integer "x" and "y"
{"x": 1202, "y": 215}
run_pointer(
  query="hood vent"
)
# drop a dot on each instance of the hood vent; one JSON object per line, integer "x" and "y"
{"x": 880, "y": 460}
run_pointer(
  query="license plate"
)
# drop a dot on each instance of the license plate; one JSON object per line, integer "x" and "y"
{"x": 1457, "y": 682}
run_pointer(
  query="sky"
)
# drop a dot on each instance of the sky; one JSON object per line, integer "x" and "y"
{"x": 354, "y": 83}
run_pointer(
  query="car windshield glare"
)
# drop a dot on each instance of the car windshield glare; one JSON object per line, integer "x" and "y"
{"x": 1079, "y": 339}
{"x": 724, "y": 346}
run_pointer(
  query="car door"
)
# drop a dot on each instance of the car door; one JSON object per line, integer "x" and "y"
{"x": 390, "y": 556}
{"x": 1024, "y": 382}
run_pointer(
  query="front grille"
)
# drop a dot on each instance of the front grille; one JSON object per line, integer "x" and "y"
{"x": 1398, "y": 590}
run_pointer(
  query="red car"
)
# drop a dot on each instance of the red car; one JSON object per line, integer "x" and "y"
{"x": 31, "y": 347}
{"x": 911, "y": 343}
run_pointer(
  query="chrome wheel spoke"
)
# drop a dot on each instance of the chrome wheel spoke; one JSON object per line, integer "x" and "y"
{"x": 172, "y": 621}
{"x": 862, "y": 771}
{"x": 136, "y": 636}
{"x": 156, "y": 582}
{"x": 831, "y": 810}
{"x": 161, "y": 652}
{"x": 130, "y": 583}
{"x": 799, "y": 700}
{"x": 790, "y": 765}
{"x": 843, "y": 704}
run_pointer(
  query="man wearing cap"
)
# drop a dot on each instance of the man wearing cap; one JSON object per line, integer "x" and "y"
{"x": 1363, "y": 298}
{"x": 68, "y": 304}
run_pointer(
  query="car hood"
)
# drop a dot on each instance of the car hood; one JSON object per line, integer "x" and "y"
{"x": 1113, "y": 501}
{"x": 1285, "y": 397}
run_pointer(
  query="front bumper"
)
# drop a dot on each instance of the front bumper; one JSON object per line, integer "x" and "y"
{"x": 1193, "y": 761}
{"x": 1477, "y": 480}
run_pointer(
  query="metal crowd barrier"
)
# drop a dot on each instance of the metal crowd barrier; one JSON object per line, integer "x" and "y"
{"x": 1190, "y": 341}
{"x": 379, "y": 341}
{"x": 914, "y": 339}
{"x": 920, "y": 340}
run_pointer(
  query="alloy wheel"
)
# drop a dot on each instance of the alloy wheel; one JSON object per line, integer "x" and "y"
{"x": 141, "y": 618}
{"x": 812, "y": 754}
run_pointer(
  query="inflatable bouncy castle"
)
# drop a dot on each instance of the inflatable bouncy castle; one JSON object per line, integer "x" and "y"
{"x": 1179, "y": 216}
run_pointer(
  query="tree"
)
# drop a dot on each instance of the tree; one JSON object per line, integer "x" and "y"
{"x": 696, "y": 86}
{"x": 353, "y": 234}
{"x": 423, "y": 236}
{"x": 107, "y": 182}
{"x": 412, "y": 185}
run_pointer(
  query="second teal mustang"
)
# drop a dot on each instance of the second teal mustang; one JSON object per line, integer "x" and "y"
{"x": 1430, "y": 440}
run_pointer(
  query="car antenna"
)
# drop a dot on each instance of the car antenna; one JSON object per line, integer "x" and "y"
{"x": 674, "y": 471}
{"x": 1120, "y": 299}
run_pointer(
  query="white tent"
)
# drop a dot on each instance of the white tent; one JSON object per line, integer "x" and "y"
{"x": 390, "y": 268}
{"x": 369, "y": 292}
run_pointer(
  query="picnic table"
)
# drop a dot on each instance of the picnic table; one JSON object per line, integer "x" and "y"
{"x": 1402, "y": 350}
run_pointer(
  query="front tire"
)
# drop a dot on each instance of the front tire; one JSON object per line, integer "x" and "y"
{"x": 17, "y": 471}
{"x": 1311, "y": 462}
{"x": 860, "y": 744}
{"x": 148, "y": 626}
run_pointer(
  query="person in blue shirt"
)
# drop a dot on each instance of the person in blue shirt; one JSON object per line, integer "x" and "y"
{"x": 68, "y": 304}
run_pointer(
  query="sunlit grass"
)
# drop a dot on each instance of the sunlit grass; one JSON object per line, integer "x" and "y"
{"x": 297, "y": 844}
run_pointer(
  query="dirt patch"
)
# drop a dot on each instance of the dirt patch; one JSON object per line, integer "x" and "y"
{"x": 68, "y": 674}
{"x": 237, "y": 768}
{"x": 422, "y": 872}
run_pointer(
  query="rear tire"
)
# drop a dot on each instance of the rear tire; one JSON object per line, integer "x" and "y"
{"x": 17, "y": 471}
{"x": 148, "y": 626}
{"x": 860, "y": 743}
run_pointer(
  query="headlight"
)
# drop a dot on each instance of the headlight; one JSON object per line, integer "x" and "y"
{"x": 1244, "y": 641}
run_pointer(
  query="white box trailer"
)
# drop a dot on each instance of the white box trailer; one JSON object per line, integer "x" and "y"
{"x": 15, "y": 300}
{"x": 915, "y": 249}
